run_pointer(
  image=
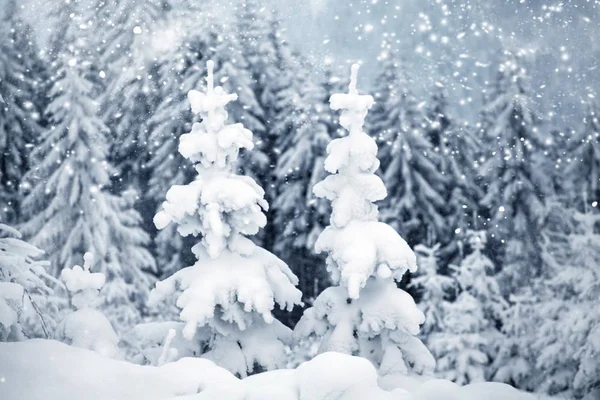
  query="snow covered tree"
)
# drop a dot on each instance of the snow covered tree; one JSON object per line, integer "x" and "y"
{"x": 257, "y": 32}
{"x": 21, "y": 105}
{"x": 128, "y": 104}
{"x": 458, "y": 147}
{"x": 303, "y": 133}
{"x": 564, "y": 341}
{"x": 181, "y": 71}
{"x": 411, "y": 168}
{"x": 477, "y": 275}
{"x": 513, "y": 185}
{"x": 232, "y": 288}
{"x": 514, "y": 353}
{"x": 366, "y": 314}
{"x": 584, "y": 169}
{"x": 461, "y": 348}
{"x": 68, "y": 210}
{"x": 22, "y": 275}
{"x": 434, "y": 288}
{"x": 466, "y": 345}
{"x": 87, "y": 327}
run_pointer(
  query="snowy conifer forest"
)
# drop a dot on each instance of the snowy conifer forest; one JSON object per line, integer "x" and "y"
{"x": 299, "y": 200}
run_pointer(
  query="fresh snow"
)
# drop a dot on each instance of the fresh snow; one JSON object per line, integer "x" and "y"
{"x": 49, "y": 370}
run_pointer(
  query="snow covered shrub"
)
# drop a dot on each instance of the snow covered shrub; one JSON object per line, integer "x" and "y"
{"x": 87, "y": 327}
{"x": 22, "y": 275}
{"x": 366, "y": 314}
{"x": 162, "y": 342}
{"x": 233, "y": 287}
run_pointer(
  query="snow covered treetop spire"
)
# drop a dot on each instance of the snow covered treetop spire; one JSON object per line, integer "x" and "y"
{"x": 477, "y": 240}
{"x": 214, "y": 98}
{"x": 353, "y": 79}
{"x": 210, "y": 79}
{"x": 211, "y": 143}
{"x": 353, "y": 161}
{"x": 228, "y": 205}
{"x": 356, "y": 105}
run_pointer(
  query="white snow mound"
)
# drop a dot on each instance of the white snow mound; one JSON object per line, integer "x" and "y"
{"x": 49, "y": 370}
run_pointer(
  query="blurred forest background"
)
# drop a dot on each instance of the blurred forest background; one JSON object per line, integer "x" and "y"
{"x": 488, "y": 128}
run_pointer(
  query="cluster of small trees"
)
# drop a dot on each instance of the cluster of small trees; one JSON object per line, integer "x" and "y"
{"x": 501, "y": 208}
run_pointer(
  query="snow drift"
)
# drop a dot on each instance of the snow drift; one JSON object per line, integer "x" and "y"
{"x": 50, "y": 370}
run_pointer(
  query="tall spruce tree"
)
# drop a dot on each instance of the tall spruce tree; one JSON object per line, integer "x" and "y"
{"x": 68, "y": 210}
{"x": 22, "y": 102}
{"x": 458, "y": 147}
{"x": 303, "y": 131}
{"x": 276, "y": 76}
{"x": 513, "y": 185}
{"x": 411, "y": 168}
{"x": 260, "y": 41}
{"x": 132, "y": 87}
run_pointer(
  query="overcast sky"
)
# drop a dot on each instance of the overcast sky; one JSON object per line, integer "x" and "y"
{"x": 450, "y": 39}
{"x": 562, "y": 37}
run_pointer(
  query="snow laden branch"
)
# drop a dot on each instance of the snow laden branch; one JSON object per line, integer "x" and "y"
{"x": 22, "y": 274}
{"x": 232, "y": 289}
{"x": 366, "y": 314}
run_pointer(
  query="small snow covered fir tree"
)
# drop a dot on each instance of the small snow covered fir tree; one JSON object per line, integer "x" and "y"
{"x": 434, "y": 286}
{"x": 87, "y": 327}
{"x": 476, "y": 274}
{"x": 465, "y": 346}
{"x": 233, "y": 287}
{"x": 460, "y": 348}
{"x": 22, "y": 275}
{"x": 366, "y": 315}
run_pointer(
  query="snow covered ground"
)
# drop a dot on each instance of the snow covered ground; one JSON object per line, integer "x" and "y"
{"x": 50, "y": 370}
